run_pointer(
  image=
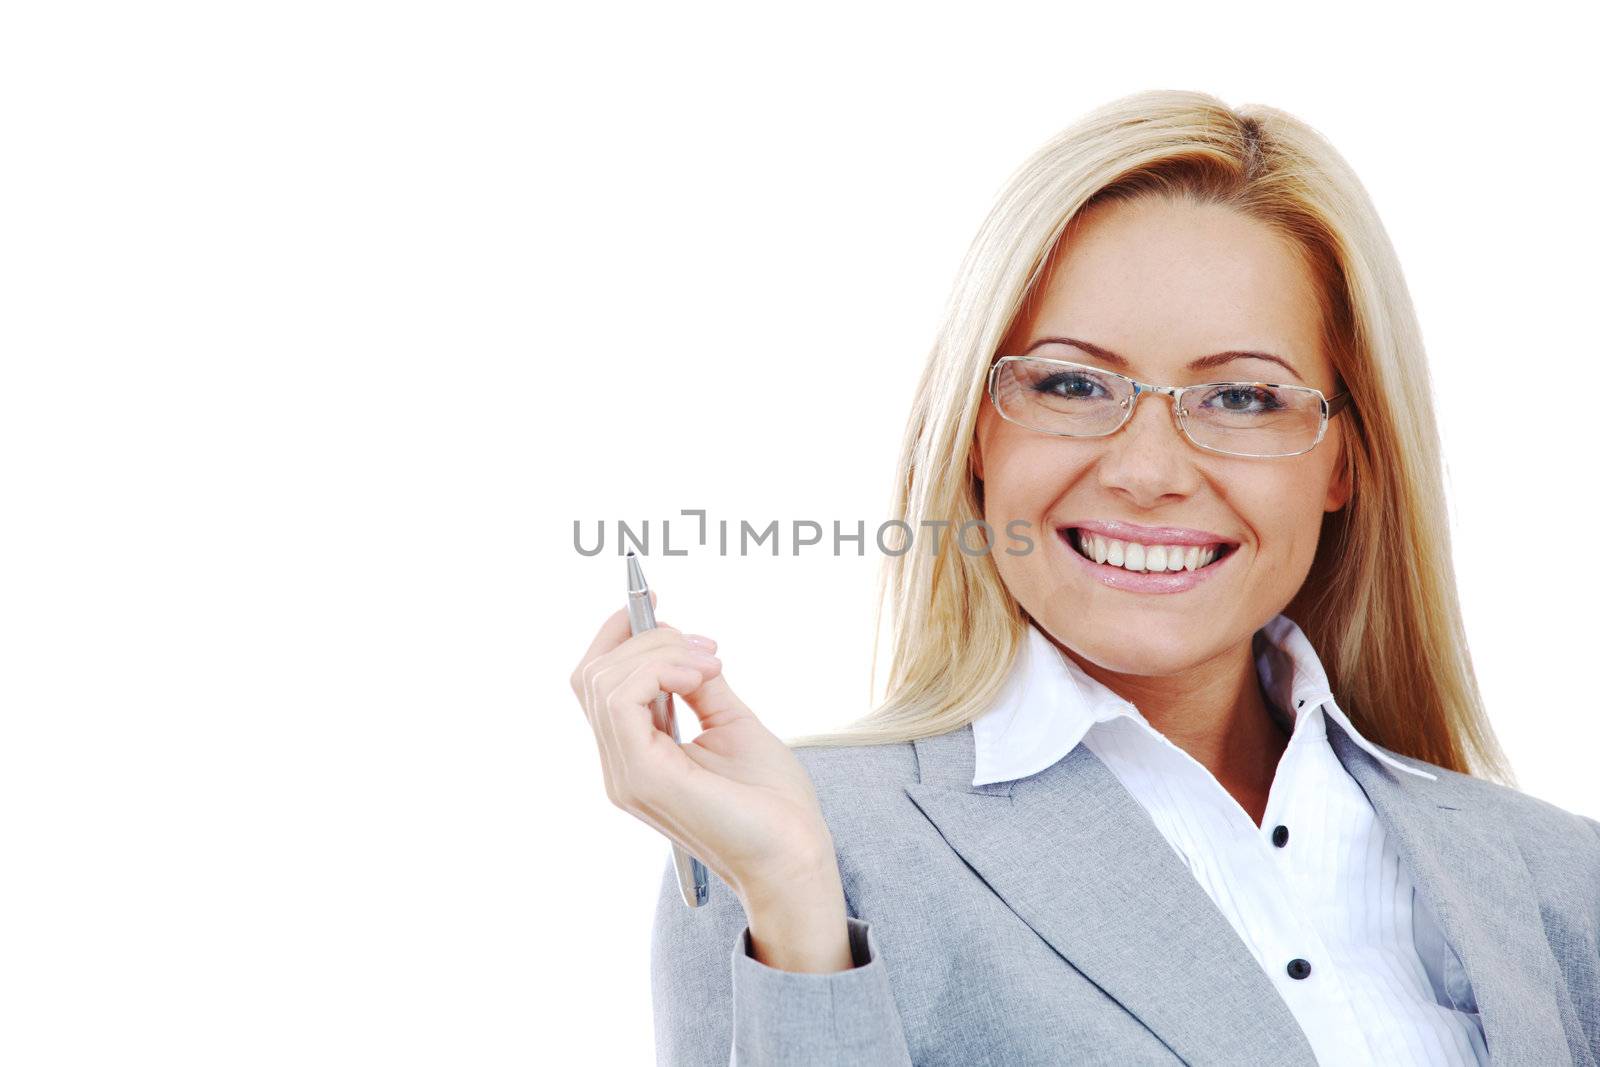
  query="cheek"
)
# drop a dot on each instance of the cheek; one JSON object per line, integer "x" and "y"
{"x": 1024, "y": 477}
{"x": 1025, "y": 481}
{"x": 1286, "y": 515}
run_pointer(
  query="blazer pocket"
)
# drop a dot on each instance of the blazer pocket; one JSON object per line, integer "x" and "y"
{"x": 1445, "y": 973}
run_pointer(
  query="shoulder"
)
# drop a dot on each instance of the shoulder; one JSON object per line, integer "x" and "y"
{"x": 1560, "y": 847}
{"x": 1494, "y": 800}
{"x": 843, "y": 766}
{"x": 862, "y": 788}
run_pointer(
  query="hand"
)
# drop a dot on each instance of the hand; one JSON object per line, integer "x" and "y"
{"x": 735, "y": 796}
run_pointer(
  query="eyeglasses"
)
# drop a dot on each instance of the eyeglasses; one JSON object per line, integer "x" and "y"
{"x": 1261, "y": 419}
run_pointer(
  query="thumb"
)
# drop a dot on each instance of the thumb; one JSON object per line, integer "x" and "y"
{"x": 716, "y": 704}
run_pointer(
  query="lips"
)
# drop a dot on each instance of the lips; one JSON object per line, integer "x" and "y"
{"x": 1141, "y": 557}
{"x": 1142, "y": 567}
{"x": 1128, "y": 532}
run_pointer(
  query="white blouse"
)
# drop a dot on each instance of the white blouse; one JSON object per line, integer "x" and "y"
{"x": 1317, "y": 891}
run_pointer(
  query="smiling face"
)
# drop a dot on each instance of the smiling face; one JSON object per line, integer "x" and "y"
{"x": 1162, "y": 284}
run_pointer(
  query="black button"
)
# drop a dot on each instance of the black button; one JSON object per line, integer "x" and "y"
{"x": 1280, "y": 835}
{"x": 1299, "y": 968}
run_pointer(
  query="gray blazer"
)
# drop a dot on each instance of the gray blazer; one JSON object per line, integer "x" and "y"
{"x": 1047, "y": 921}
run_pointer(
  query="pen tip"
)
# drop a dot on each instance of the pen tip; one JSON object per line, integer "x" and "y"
{"x": 635, "y": 575}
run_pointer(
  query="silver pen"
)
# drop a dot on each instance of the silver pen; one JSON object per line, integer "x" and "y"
{"x": 692, "y": 881}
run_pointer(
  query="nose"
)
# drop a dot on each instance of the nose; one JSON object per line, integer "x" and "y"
{"x": 1149, "y": 461}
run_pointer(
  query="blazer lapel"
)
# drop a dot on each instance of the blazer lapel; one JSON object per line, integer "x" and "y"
{"x": 1073, "y": 854}
{"x": 1471, "y": 871}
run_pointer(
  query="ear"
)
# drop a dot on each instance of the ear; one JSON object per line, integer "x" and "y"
{"x": 981, "y": 428}
{"x": 1342, "y": 484}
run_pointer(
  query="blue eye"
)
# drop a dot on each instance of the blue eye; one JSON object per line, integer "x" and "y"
{"x": 1068, "y": 385}
{"x": 1236, "y": 400}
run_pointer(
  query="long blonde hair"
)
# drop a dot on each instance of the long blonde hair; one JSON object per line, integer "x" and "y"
{"x": 1379, "y": 603}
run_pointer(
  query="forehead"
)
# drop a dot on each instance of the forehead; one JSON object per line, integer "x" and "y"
{"x": 1163, "y": 281}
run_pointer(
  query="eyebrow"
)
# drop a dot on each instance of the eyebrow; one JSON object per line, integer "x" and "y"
{"x": 1216, "y": 359}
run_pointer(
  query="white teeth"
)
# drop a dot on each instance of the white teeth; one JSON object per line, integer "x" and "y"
{"x": 1133, "y": 556}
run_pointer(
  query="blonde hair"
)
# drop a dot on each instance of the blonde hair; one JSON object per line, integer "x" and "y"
{"x": 1379, "y": 603}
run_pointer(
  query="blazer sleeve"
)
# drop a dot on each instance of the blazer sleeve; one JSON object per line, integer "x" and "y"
{"x": 715, "y": 1004}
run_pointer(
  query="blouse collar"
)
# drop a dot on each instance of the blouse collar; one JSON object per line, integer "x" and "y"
{"x": 1049, "y": 703}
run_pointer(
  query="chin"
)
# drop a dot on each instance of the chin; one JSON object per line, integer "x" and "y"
{"x": 1132, "y": 642}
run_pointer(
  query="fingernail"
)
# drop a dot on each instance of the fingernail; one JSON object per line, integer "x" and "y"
{"x": 699, "y": 641}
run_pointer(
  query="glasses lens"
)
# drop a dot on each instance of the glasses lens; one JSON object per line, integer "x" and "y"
{"x": 1060, "y": 398}
{"x": 1253, "y": 418}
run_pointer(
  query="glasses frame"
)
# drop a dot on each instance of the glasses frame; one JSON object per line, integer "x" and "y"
{"x": 1331, "y": 406}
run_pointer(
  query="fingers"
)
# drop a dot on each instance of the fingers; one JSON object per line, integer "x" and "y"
{"x": 715, "y": 703}
{"x": 639, "y": 758}
{"x": 627, "y": 651}
{"x": 628, "y": 709}
{"x": 613, "y": 632}
{"x": 617, "y": 683}
{"x": 615, "y": 635}
{"x": 598, "y": 677}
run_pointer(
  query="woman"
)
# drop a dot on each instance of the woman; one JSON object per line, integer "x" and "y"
{"x": 1189, "y": 765}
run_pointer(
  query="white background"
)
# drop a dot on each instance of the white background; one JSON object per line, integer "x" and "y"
{"x": 323, "y": 322}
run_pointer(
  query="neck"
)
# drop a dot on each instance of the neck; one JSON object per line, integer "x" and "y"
{"x": 1217, "y": 713}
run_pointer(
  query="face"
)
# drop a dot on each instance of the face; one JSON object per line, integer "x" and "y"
{"x": 1161, "y": 284}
